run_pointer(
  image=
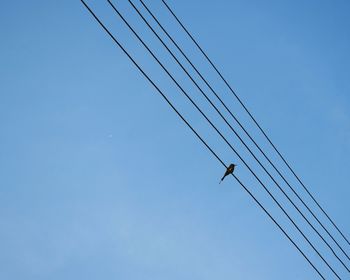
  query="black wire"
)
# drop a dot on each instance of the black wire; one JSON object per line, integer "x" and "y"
{"x": 222, "y": 136}
{"x": 256, "y": 123}
{"x": 197, "y": 135}
{"x": 217, "y": 110}
{"x": 242, "y": 127}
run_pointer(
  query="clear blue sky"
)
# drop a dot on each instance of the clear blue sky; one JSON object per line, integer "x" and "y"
{"x": 99, "y": 179}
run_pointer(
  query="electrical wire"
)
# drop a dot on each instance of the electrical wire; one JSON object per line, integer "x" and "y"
{"x": 257, "y": 124}
{"x": 197, "y": 135}
{"x": 225, "y": 120}
{"x": 222, "y": 136}
{"x": 246, "y": 132}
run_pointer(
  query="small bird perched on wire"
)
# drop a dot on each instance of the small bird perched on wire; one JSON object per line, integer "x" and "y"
{"x": 229, "y": 171}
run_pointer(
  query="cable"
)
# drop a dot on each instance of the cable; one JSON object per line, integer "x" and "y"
{"x": 256, "y": 123}
{"x": 222, "y": 136}
{"x": 197, "y": 135}
{"x": 241, "y": 140}
{"x": 246, "y": 132}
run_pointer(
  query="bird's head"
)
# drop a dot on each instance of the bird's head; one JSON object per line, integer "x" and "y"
{"x": 232, "y": 166}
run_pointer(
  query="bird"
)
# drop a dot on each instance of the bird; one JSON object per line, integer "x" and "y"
{"x": 229, "y": 171}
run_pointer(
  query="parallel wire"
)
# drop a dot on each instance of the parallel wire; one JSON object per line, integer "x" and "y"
{"x": 197, "y": 135}
{"x": 257, "y": 124}
{"x": 221, "y": 135}
{"x": 242, "y": 127}
{"x": 225, "y": 120}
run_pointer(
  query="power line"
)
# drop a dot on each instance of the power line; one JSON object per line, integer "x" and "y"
{"x": 256, "y": 123}
{"x": 225, "y": 120}
{"x": 221, "y": 135}
{"x": 197, "y": 135}
{"x": 239, "y": 123}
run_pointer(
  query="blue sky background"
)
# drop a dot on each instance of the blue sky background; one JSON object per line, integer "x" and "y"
{"x": 99, "y": 179}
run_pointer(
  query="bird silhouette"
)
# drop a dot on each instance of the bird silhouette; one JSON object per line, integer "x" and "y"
{"x": 229, "y": 171}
